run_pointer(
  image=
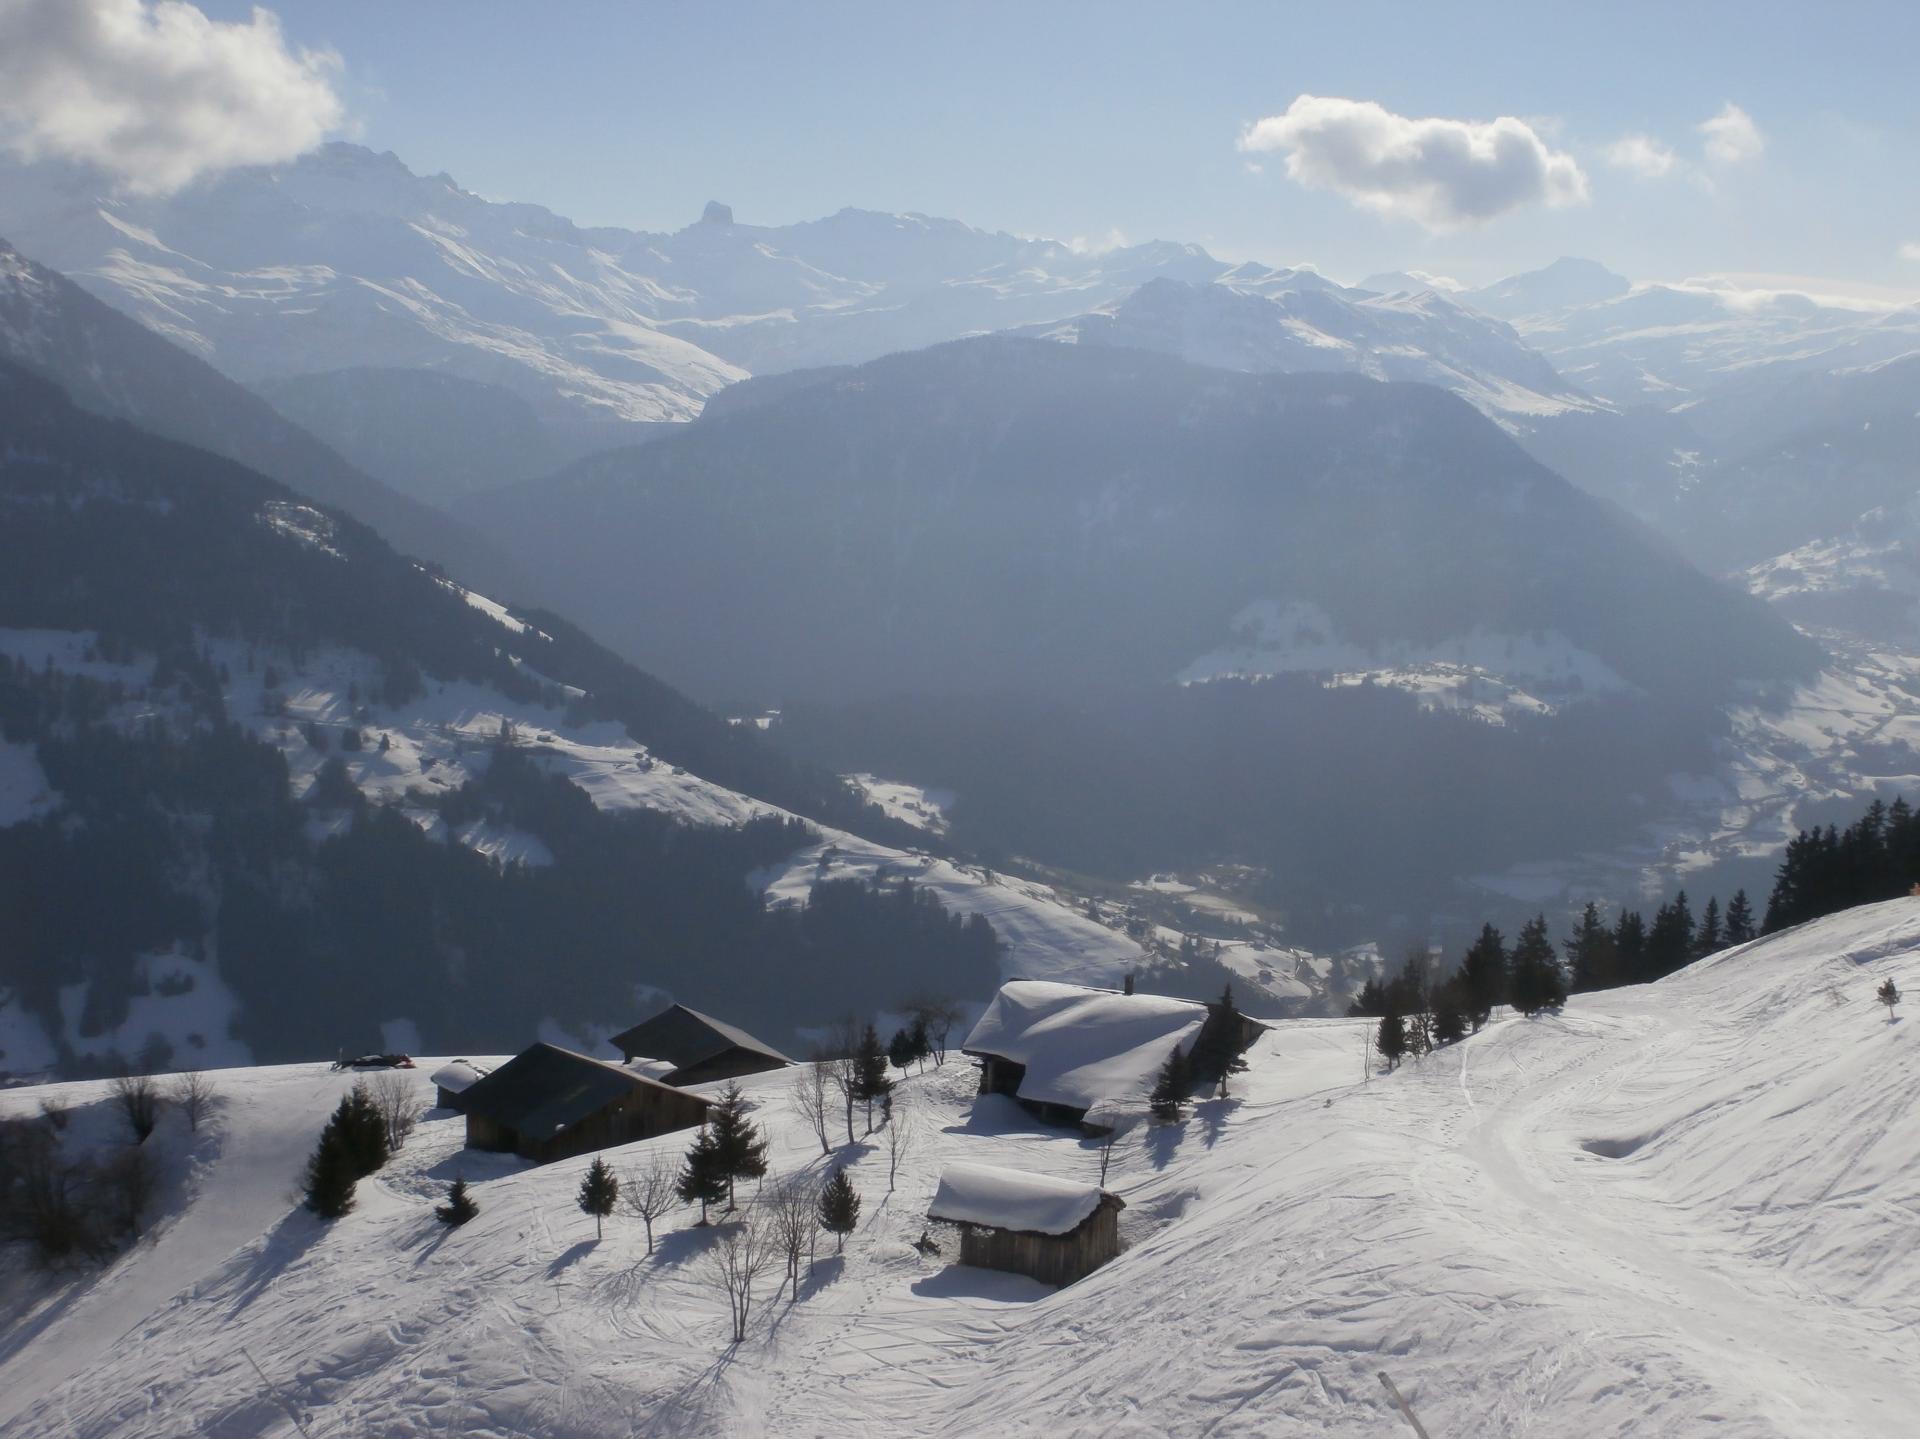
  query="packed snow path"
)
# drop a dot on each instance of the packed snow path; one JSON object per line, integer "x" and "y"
{"x": 1682, "y": 1209}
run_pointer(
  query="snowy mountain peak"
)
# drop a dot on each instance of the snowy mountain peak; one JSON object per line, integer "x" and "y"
{"x": 1566, "y": 282}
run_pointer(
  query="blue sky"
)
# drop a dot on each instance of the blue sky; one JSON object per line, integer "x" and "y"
{"x": 1094, "y": 121}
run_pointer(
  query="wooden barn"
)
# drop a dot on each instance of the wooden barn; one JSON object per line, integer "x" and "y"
{"x": 547, "y": 1103}
{"x": 694, "y": 1048}
{"x": 452, "y": 1080}
{"x": 1052, "y": 1230}
{"x": 1064, "y": 1049}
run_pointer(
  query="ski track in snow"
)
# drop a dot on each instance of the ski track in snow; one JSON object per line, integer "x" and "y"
{"x": 1671, "y": 1210}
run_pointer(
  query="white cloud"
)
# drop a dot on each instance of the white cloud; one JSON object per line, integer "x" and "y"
{"x": 1731, "y": 136}
{"x": 1910, "y": 250}
{"x": 1642, "y": 155}
{"x": 1441, "y": 173}
{"x": 155, "y": 92}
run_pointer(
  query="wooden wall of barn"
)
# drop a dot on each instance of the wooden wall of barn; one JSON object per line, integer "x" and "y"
{"x": 1050, "y": 1258}
{"x": 641, "y": 1114}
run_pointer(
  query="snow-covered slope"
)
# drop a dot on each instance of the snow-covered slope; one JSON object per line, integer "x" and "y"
{"x": 1669, "y": 345}
{"x": 344, "y": 258}
{"x": 1674, "y": 1210}
{"x": 1253, "y": 318}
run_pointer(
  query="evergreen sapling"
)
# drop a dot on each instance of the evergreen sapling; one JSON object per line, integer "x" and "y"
{"x": 703, "y": 1177}
{"x": 839, "y": 1208}
{"x": 598, "y": 1193}
{"x": 459, "y": 1207}
{"x": 1173, "y": 1087}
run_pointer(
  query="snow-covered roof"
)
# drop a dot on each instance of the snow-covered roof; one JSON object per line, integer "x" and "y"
{"x": 1081, "y": 1046}
{"x": 456, "y": 1076}
{"x": 1010, "y": 1199}
{"x": 651, "y": 1068}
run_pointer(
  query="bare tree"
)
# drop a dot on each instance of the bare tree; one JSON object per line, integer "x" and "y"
{"x": 128, "y": 1183}
{"x": 393, "y": 1095}
{"x": 195, "y": 1095}
{"x": 791, "y": 1213}
{"x": 139, "y": 1100}
{"x": 1116, "y": 1131}
{"x": 902, "y": 1133}
{"x": 809, "y": 1096}
{"x": 650, "y": 1192}
{"x": 938, "y": 1014}
{"x": 741, "y": 1256}
{"x": 843, "y": 1067}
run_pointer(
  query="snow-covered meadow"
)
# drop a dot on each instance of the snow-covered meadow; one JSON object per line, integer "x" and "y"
{"x": 1672, "y": 1210}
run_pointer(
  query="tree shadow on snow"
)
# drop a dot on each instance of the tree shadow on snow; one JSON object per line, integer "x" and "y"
{"x": 571, "y": 1257}
{"x": 672, "y": 1247}
{"x": 823, "y": 1271}
{"x": 1162, "y": 1140}
{"x": 432, "y": 1235}
{"x": 285, "y": 1243}
{"x": 1212, "y": 1114}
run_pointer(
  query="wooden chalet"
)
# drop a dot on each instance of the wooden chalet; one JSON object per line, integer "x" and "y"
{"x": 1063, "y": 1050}
{"x": 696, "y": 1048}
{"x": 1052, "y": 1230}
{"x": 548, "y": 1103}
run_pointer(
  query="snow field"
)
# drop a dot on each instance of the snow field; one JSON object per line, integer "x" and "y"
{"x": 1673, "y": 1210}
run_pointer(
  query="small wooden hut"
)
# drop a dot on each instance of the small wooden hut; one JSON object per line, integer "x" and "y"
{"x": 1052, "y": 1230}
{"x": 548, "y": 1103}
{"x": 452, "y": 1080}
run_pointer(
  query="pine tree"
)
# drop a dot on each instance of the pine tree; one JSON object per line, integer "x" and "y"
{"x": 1592, "y": 959}
{"x": 900, "y": 1051}
{"x": 921, "y": 1039}
{"x": 1449, "y": 1022}
{"x": 703, "y": 1177}
{"x": 1889, "y": 995}
{"x": 459, "y": 1207}
{"x": 363, "y": 1130}
{"x": 1670, "y": 938}
{"x": 839, "y": 1208}
{"x": 1630, "y": 947}
{"x": 871, "y": 1080}
{"x": 330, "y": 1174}
{"x": 1740, "y": 917}
{"x": 1391, "y": 1041}
{"x": 1370, "y": 1003}
{"x": 1534, "y": 981}
{"x": 598, "y": 1193}
{"x": 1710, "y": 939}
{"x": 1483, "y": 976}
{"x": 740, "y": 1149}
{"x": 1217, "y": 1055}
{"x": 1173, "y": 1087}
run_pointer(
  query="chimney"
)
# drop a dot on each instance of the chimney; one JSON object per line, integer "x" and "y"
{"x": 1129, "y": 988}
